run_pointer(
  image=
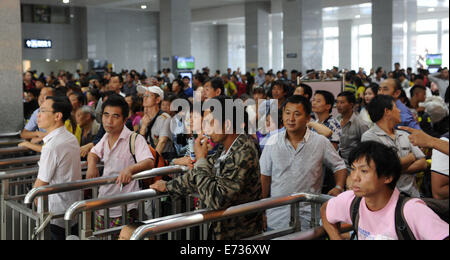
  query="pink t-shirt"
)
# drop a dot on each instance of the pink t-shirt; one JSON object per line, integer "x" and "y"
{"x": 380, "y": 225}
{"x": 117, "y": 159}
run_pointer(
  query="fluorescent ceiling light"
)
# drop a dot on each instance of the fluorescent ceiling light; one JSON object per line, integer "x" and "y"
{"x": 143, "y": 6}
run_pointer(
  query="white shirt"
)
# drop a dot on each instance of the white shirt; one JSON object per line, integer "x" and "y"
{"x": 60, "y": 163}
{"x": 296, "y": 170}
{"x": 439, "y": 161}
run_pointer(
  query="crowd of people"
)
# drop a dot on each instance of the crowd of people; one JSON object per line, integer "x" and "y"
{"x": 369, "y": 150}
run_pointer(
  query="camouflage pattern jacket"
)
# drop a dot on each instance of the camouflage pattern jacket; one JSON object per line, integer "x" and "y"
{"x": 222, "y": 183}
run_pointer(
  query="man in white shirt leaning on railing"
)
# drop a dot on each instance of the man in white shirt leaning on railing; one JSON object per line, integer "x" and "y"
{"x": 59, "y": 161}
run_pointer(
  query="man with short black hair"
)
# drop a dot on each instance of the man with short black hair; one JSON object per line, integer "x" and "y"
{"x": 375, "y": 171}
{"x": 214, "y": 87}
{"x": 379, "y": 76}
{"x": 352, "y": 126}
{"x": 129, "y": 88}
{"x": 260, "y": 78}
{"x": 230, "y": 88}
{"x": 60, "y": 160}
{"x": 322, "y": 106}
{"x": 385, "y": 114}
{"x": 304, "y": 90}
{"x": 392, "y": 87}
{"x": 31, "y": 130}
{"x": 267, "y": 85}
{"x": 293, "y": 161}
{"x": 229, "y": 177}
{"x": 198, "y": 81}
{"x": 114, "y": 149}
{"x": 418, "y": 95}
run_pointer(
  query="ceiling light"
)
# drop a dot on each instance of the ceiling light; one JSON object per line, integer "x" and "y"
{"x": 66, "y": 1}
{"x": 47, "y": 60}
{"x": 143, "y": 6}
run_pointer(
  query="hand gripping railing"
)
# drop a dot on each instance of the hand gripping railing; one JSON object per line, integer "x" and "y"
{"x": 89, "y": 183}
{"x": 239, "y": 210}
{"x": 44, "y": 191}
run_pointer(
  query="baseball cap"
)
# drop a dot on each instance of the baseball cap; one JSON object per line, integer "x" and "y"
{"x": 153, "y": 89}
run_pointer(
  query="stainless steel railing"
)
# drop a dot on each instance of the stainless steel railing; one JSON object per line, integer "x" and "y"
{"x": 88, "y": 206}
{"x": 12, "y": 162}
{"x": 44, "y": 191}
{"x": 240, "y": 210}
{"x": 12, "y": 151}
{"x": 15, "y": 184}
{"x": 85, "y": 184}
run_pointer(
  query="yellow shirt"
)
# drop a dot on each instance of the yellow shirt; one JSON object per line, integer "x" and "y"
{"x": 77, "y": 133}
{"x": 360, "y": 92}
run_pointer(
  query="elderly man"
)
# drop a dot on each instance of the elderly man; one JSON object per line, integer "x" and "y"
{"x": 85, "y": 117}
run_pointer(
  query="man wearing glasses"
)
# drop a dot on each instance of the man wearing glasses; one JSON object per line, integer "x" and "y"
{"x": 59, "y": 161}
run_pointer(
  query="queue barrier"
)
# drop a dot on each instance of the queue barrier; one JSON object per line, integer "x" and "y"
{"x": 15, "y": 184}
{"x": 199, "y": 218}
{"x": 28, "y": 210}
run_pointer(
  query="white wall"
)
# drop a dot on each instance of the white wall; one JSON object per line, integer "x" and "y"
{"x": 127, "y": 39}
{"x": 236, "y": 47}
{"x": 204, "y": 44}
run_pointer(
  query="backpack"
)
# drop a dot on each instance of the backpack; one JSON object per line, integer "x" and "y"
{"x": 402, "y": 229}
{"x": 159, "y": 162}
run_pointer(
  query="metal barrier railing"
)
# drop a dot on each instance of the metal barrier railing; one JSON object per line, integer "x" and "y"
{"x": 15, "y": 184}
{"x": 239, "y": 210}
{"x": 14, "y": 151}
{"x": 9, "y": 163}
{"x": 42, "y": 193}
{"x": 14, "y": 187}
{"x": 8, "y": 141}
{"x": 88, "y": 206}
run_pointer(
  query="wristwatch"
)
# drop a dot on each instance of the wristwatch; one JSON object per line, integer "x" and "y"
{"x": 339, "y": 187}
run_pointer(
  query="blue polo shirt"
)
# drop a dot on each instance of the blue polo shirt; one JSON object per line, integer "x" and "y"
{"x": 407, "y": 116}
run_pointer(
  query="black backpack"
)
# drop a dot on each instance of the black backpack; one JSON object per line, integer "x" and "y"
{"x": 440, "y": 207}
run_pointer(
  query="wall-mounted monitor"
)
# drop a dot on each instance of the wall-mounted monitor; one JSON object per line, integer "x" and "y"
{"x": 434, "y": 59}
{"x": 38, "y": 44}
{"x": 185, "y": 63}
